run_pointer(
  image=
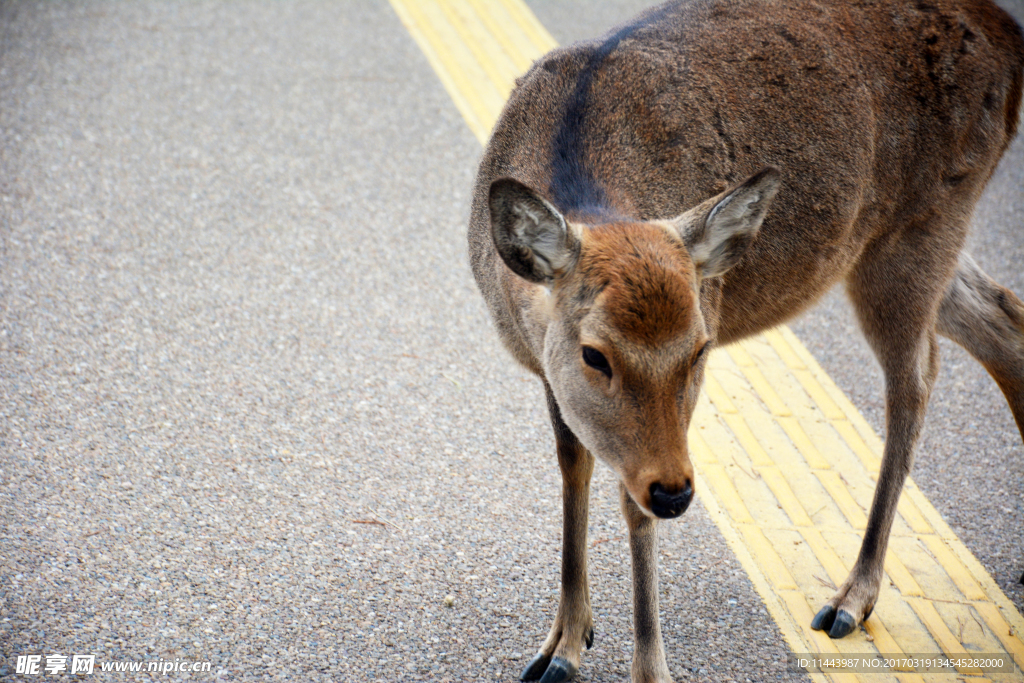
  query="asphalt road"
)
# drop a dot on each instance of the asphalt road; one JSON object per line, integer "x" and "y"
{"x": 252, "y": 411}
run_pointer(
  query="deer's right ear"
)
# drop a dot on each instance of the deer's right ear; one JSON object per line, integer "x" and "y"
{"x": 530, "y": 235}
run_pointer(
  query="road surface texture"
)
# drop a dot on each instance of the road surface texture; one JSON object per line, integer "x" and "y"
{"x": 252, "y": 411}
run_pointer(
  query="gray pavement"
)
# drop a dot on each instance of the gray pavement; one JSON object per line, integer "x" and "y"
{"x": 252, "y": 411}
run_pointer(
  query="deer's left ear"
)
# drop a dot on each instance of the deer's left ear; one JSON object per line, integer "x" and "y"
{"x": 718, "y": 231}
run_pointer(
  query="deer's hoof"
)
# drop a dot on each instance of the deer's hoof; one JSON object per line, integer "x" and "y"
{"x": 559, "y": 670}
{"x": 824, "y": 619}
{"x": 843, "y": 625}
{"x": 590, "y": 638}
{"x": 536, "y": 668}
{"x": 549, "y": 669}
{"x": 838, "y": 624}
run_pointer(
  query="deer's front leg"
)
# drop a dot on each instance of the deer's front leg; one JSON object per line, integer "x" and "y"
{"x": 856, "y": 598}
{"x": 559, "y": 656}
{"x": 649, "y": 665}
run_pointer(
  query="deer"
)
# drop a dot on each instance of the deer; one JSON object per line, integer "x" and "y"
{"x": 706, "y": 172}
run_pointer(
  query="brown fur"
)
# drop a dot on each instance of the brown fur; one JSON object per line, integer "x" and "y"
{"x": 646, "y": 279}
{"x": 885, "y": 118}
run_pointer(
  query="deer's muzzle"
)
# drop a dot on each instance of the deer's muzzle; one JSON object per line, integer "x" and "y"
{"x": 670, "y": 505}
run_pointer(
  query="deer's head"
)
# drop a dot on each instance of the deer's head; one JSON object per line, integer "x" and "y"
{"x": 626, "y": 338}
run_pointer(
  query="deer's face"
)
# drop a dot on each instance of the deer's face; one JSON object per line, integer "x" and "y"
{"x": 626, "y": 340}
{"x": 623, "y": 355}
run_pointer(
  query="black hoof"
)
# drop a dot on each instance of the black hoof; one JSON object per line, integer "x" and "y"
{"x": 843, "y": 625}
{"x": 559, "y": 670}
{"x": 590, "y": 639}
{"x": 823, "y": 619}
{"x": 536, "y": 668}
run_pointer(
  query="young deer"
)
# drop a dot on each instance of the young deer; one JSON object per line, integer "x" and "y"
{"x": 707, "y": 172}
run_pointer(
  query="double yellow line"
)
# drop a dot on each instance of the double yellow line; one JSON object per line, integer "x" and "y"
{"x": 786, "y": 465}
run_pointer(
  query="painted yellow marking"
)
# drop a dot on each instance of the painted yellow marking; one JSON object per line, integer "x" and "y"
{"x": 833, "y": 483}
{"x": 961, "y": 577}
{"x": 502, "y": 72}
{"x": 1008, "y": 635}
{"x": 899, "y": 575}
{"x": 740, "y": 356}
{"x": 834, "y": 566}
{"x": 717, "y": 395}
{"x": 784, "y": 495}
{"x": 825, "y": 403}
{"x": 803, "y": 443}
{"x": 747, "y": 439}
{"x": 728, "y": 497}
{"x": 756, "y": 379}
{"x": 785, "y": 462}
{"x": 884, "y": 641}
{"x": 871, "y": 459}
{"x": 471, "y": 91}
{"x": 951, "y": 646}
{"x": 767, "y": 558}
{"x": 531, "y": 26}
{"x": 912, "y": 516}
{"x": 513, "y": 44}
{"x": 699, "y": 451}
{"x": 785, "y": 351}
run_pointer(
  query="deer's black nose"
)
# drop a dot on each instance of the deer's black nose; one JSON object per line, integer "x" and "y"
{"x": 668, "y": 505}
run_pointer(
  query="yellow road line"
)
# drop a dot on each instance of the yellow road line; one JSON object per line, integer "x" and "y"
{"x": 786, "y": 464}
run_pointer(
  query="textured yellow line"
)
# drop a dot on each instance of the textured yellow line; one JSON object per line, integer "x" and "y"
{"x": 1007, "y": 635}
{"x": 458, "y": 74}
{"x": 913, "y": 516}
{"x": 771, "y": 564}
{"x": 747, "y": 440}
{"x": 961, "y": 577}
{"x": 775, "y": 404}
{"x": 502, "y": 72}
{"x": 729, "y": 498}
{"x": 899, "y": 575}
{"x": 833, "y": 565}
{"x": 820, "y": 396}
{"x": 784, "y": 494}
{"x": 785, "y": 351}
{"x": 717, "y": 395}
{"x": 853, "y": 439}
{"x": 884, "y": 641}
{"x": 777, "y": 446}
{"x": 515, "y": 45}
{"x": 832, "y": 482}
{"x": 774, "y": 600}
{"x": 803, "y": 443}
{"x": 949, "y": 642}
{"x": 528, "y": 22}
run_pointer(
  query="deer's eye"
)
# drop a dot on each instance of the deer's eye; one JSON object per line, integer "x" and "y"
{"x": 596, "y": 360}
{"x": 700, "y": 353}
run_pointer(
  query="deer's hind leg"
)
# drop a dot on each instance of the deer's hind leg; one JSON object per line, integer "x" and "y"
{"x": 559, "y": 656}
{"x": 987, "y": 320}
{"x": 896, "y": 288}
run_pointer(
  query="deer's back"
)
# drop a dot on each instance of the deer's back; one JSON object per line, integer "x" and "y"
{"x": 878, "y": 114}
